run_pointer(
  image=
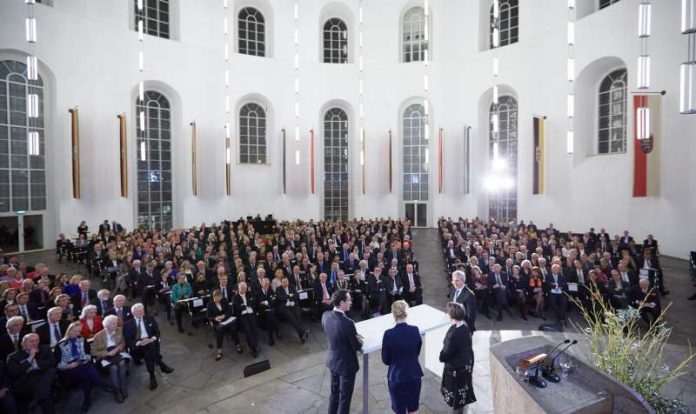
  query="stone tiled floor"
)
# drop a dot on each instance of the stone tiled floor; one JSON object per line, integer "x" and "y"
{"x": 298, "y": 381}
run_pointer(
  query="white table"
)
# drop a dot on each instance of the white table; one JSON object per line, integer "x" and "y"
{"x": 425, "y": 317}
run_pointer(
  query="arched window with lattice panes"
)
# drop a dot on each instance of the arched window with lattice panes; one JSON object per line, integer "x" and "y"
{"x": 502, "y": 205}
{"x": 252, "y": 134}
{"x": 335, "y": 35}
{"x": 336, "y": 181}
{"x": 154, "y": 162}
{"x": 156, "y": 15}
{"x": 612, "y": 98}
{"x": 414, "y": 41}
{"x": 22, "y": 151}
{"x": 251, "y": 32}
{"x": 508, "y": 24}
{"x": 416, "y": 191}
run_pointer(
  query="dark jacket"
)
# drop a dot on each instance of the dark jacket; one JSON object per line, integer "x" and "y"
{"x": 343, "y": 343}
{"x": 130, "y": 327}
{"x": 401, "y": 346}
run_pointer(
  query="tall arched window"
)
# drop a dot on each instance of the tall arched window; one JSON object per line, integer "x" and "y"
{"x": 22, "y": 153}
{"x": 154, "y": 162}
{"x": 252, "y": 134}
{"x": 503, "y": 204}
{"x": 509, "y": 22}
{"x": 607, "y": 3}
{"x": 335, "y": 41}
{"x": 252, "y": 32}
{"x": 335, "y": 164}
{"x": 415, "y": 163}
{"x": 414, "y": 40}
{"x": 156, "y": 17}
{"x": 612, "y": 113}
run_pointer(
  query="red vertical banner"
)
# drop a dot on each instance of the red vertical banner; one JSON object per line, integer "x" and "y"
{"x": 646, "y": 145}
{"x": 439, "y": 161}
{"x": 311, "y": 159}
{"x": 390, "y": 161}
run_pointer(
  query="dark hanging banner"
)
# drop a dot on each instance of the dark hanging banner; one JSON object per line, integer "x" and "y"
{"x": 75, "y": 147}
{"x": 123, "y": 154}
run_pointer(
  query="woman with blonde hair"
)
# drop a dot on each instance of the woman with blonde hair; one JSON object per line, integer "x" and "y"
{"x": 401, "y": 346}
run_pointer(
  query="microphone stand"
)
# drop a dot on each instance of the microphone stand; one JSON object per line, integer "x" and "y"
{"x": 536, "y": 380}
{"x": 549, "y": 371}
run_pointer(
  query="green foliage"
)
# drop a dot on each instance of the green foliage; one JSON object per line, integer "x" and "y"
{"x": 633, "y": 354}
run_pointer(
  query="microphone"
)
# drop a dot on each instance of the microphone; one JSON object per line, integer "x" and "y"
{"x": 567, "y": 341}
{"x": 548, "y": 371}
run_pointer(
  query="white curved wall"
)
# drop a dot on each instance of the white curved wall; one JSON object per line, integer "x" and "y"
{"x": 91, "y": 50}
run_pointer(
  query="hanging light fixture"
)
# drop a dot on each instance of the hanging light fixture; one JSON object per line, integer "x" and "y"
{"x": 688, "y": 20}
{"x": 32, "y": 98}
{"x": 644, "y": 29}
{"x": 643, "y": 78}
{"x": 687, "y": 103}
{"x": 643, "y": 122}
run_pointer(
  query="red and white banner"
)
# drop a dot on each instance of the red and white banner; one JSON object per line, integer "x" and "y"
{"x": 647, "y": 140}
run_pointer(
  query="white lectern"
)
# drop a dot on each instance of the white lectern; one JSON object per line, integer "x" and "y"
{"x": 425, "y": 317}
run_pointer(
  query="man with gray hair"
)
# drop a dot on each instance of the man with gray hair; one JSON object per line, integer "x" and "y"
{"x": 32, "y": 371}
{"x": 460, "y": 293}
{"x": 11, "y": 341}
{"x": 142, "y": 336}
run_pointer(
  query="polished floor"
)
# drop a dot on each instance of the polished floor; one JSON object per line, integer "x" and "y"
{"x": 298, "y": 382}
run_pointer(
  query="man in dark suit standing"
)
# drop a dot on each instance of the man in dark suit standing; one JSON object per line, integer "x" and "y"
{"x": 462, "y": 294}
{"x": 142, "y": 336}
{"x": 32, "y": 371}
{"x": 342, "y": 361}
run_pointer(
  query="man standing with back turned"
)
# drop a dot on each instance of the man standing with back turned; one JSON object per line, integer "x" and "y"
{"x": 342, "y": 360}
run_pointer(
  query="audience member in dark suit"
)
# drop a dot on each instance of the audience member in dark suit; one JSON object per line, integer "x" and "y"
{"x": 460, "y": 293}
{"x": 11, "y": 341}
{"x": 148, "y": 285}
{"x": 103, "y": 302}
{"x": 52, "y": 332}
{"x": 413, "y": 289}
{"x": 142, "y": 337}
{"x": 135, "y": 274}
{"x": 219, "y": 310}
{"x": 401, "y": 346}
{"x": 394, "y": 286}
{"x": 32, "y": 372}
{"x": 619, "y": 290}
{"x": 651, "y": 244}
{"x": 322, "y": 294}
{"x": 11, "y": 309}
{"x": 75, "y": 365}
{"x": 558, "y": 287}
{"x": 289, "y": 308}
{"x": 266, "y": 308}
{"x": 342, "y": 360}
{"x": 458, "y": 356}
{"x": 121, "y": 310}
{"x": 628, "y": 277}
{"x": 377, "y": 290}
{"x": 498, "y": 283}
{"x": 243, "y": 306}
{"x": 27, "y": 310}
{"x": 86, "y": 296}
{"x": 650, "y": 300}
